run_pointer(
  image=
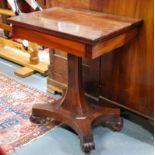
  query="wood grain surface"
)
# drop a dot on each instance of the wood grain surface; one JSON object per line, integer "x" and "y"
{"x": 126, "y": 75}
{"x": 78, "y": 25}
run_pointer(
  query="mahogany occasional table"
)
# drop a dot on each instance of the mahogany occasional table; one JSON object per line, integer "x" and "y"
{"x": 82, "y": 34}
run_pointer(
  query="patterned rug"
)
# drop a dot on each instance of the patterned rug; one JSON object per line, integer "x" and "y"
{"x": 16, "y": 101}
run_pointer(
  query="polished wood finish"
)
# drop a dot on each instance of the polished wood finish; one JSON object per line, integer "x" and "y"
{"x": 131, "y": 72}
{"x": 69, "y": 3}
{"x": 50, "y": 27}
{"x": 113, "y": 43}
{"x": 75, "y": 28}
{"x": 73, "y": 33}
{"x": 51, "y": 40}
{"x": 128, "y": 81}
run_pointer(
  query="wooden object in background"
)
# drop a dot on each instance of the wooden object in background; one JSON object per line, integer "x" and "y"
{"x": 126, "y": 79}
{"x": 7, "y": 52}
{"x": 42, "y": 3}
{"x": 63, "y": 29}
{"x": 7, "y": 12}
{"x": 57, "y": 74}
{"x": 12, "y": 50}
{"x": 24, "y": 72}
{"x": 3, "y": 6}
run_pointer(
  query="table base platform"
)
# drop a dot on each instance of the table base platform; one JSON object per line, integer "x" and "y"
{"x": 74, "y": 110}
{"x": 81, "y": 124}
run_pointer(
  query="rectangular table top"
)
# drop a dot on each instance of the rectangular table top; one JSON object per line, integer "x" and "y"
{"x": 78, "y": 25}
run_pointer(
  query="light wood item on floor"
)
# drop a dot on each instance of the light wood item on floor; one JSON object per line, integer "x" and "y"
{"x": 15, "y": 52}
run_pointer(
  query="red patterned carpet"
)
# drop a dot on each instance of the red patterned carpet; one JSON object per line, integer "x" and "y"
{"x": 16, "y": 101}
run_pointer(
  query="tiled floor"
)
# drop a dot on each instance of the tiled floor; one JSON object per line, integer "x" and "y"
{"x": 132, "y": 140}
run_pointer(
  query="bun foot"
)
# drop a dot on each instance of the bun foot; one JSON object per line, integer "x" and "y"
{"x": 116, "y": 125}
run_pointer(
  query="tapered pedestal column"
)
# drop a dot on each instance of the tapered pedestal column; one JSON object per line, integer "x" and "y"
{"x": 74, "y": 110}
